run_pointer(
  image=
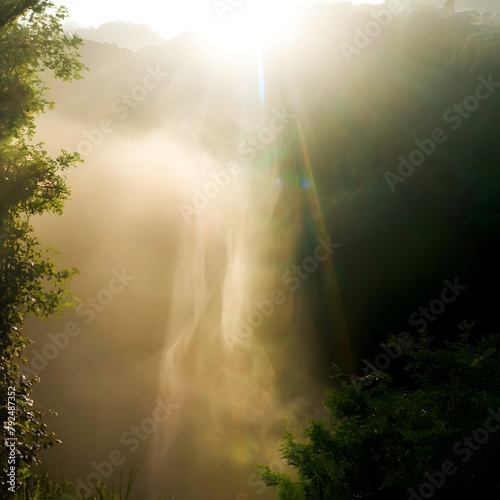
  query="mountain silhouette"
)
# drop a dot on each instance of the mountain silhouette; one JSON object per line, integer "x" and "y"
{"x": 128, "y": 35}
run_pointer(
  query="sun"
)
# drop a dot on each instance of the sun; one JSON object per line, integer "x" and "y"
{"x": 243, "y": 28}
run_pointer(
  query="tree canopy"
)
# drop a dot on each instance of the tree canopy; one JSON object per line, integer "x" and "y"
{"x": 32, "y": 41}
{"x": 12, "y": 9}
{"x": 427, "y": 426}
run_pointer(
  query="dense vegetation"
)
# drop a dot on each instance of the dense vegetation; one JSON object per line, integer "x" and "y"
{"x": 31, "y": 183}
{"x": 394, "y": 430}
{"x": 403, "y": 228}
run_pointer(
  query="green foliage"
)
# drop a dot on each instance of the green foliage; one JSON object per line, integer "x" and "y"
{"x": 285, "y": 488}
{"x": 31, "y": 183}
{"x": 102, "y": 494}
{"x": 29, "y": 46}
{"x": 289, "y": 491}
{"x": 46, "y": 486}
{"x": 42, "y": 486}
{"x": 382, "y": 439}
{"x": 12, "y": 9}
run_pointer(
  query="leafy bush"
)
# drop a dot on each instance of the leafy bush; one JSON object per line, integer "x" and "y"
{"x": 382, "y": 439}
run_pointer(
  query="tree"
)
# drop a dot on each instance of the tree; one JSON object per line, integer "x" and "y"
{"x": 31, "y": 183}
{"x": 387, "y": 439}
{"x": 12, "y": 9}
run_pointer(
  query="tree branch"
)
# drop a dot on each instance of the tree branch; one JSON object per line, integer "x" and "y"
{"x": 13, "y": 9}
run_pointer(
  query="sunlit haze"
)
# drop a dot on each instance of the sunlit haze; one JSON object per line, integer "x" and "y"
{"x": 170, "y": 18}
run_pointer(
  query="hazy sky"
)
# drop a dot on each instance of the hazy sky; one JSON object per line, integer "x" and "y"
{"x": 168, "y": 17}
